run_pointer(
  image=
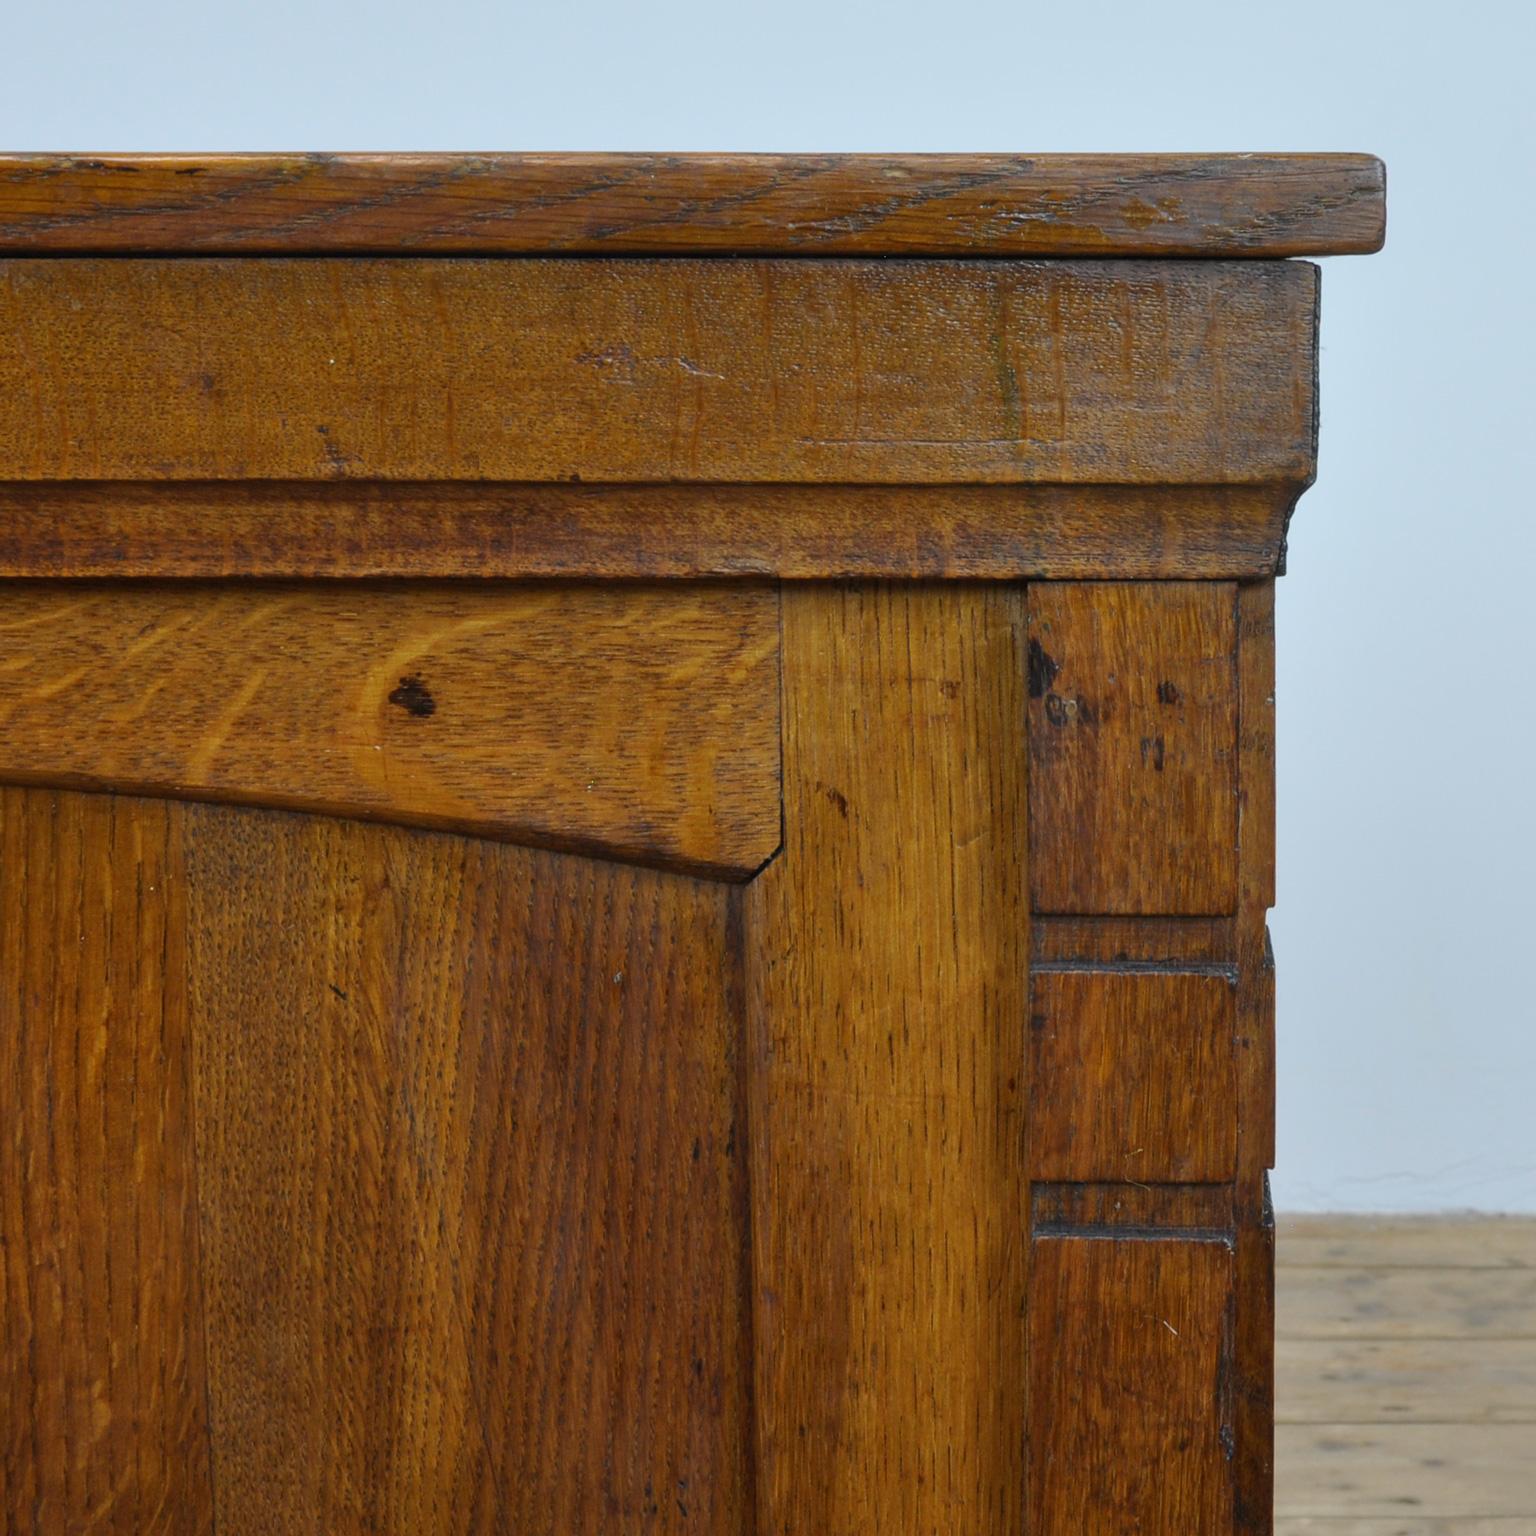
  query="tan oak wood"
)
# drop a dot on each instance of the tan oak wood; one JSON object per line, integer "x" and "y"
{"x": 1407, "y": 1242}
{"x": 1412, "y": 1380}
{"x": 886, "y": 951}
{"x": 1400, "y": 1525}
{"x": 1346, "y": 1398}
{"x": 635, "y": 722}
{"x": 1055, "y": 205}
{"x": 676, "y": 370}
{"x": 1335, "y": 1303}
{"x": 1433, "y": 1469}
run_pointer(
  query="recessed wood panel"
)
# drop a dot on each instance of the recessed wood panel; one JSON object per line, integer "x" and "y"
{"x": 641, "y": 722}
{"x": 472, "y": 1170}
{"x": 1132, "y": 1077}
{"x": 677, "y": 370}
{"x": 103, "y": 1422}
{"x": 1130, "y": 1421}
{"x": 887, "y": 949}
{"x": 1133, "y": 748}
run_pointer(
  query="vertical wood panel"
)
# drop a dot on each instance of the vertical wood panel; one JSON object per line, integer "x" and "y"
{"x": 1129, "y": 1345}
{"x": 102, "y": 1402}
{"x": 887, "y": 950}
{"x": 1132, "y": 746}
{"x": 473, "y": 1184}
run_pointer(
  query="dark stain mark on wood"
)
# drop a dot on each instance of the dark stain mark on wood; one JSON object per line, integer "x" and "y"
{"x": 1153, "y": 751}
{"x": 1042, "y": 670}
{"x": 414, "y": 697}
{"x": 1168, "y": 693}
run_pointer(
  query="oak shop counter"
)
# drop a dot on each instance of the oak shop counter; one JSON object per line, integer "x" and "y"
{"x": 636, "y": 816}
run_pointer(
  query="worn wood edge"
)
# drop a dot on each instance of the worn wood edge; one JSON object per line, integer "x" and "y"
{"x": 445, "y": 529}
{"x": 1179, "y": 205}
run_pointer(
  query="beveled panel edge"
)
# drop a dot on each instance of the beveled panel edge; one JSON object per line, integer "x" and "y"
{"x": 448, "y": 529}
{"x": 566, "y": 716}
{"x": 1180, "y": 205}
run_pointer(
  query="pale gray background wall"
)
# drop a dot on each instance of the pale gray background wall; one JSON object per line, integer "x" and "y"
{"x": 1405, "y": 926}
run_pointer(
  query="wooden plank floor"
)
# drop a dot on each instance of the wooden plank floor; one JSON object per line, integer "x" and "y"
{"x": 1406, "y": 1377}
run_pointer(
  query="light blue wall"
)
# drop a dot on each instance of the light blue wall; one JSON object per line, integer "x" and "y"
{"x": 1405, "y": 926}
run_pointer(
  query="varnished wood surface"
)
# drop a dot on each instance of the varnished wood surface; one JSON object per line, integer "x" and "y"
{"x": 103, "y": 1420}
{"x": 1130, "y": 1414}
{"x": 886, "y": 958}
{"x": 1132, "y": 744}
{"x": 1132, "y": 1077}
{"x": 638, "y": 722}
{"x": 673, "y": 370}
{"x": 953, "y": 205}
{"x": 650, "y": 532}
{"x": 1414, "y": 1422}
{"x": 368, "y": 1178}
{"x": 474, "y": 1233}
{"x": 431, "y": 1148}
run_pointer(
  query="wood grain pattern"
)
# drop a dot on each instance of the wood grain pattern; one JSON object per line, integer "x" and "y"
{"x": 886, "y": 954}
{"x": 473, "y": 1184}
{"x": 1132, "y": 748}
{"x": 1132, "y": 1077}
{"x": 1374, "y": 1471}
{"x": 1404, "y": 1525}
{"x": 1057, "y": 205}
{"x": 1129, "y": 1418}
{"x": 1408, "y": 1381}
{"x": 1335, "y": 1303}
{"x": 1134, "y": 944}
{"x": 103, "y": 1421}
{"x": 1468, "y": 1400}
{"x": 635, "y": 721}
{"x": 1318, "y": 1241}
{"x": 357, "y": 529}
{"x": 674, "y": 370}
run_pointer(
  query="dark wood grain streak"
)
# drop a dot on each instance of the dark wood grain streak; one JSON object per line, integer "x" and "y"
{"x": 473, "y": 1184}
{"x": 957, "y": 205}
{"x": 657, "y": 371}
{"x": 103, "y": 1422}
{"x": 452, "y": 529}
